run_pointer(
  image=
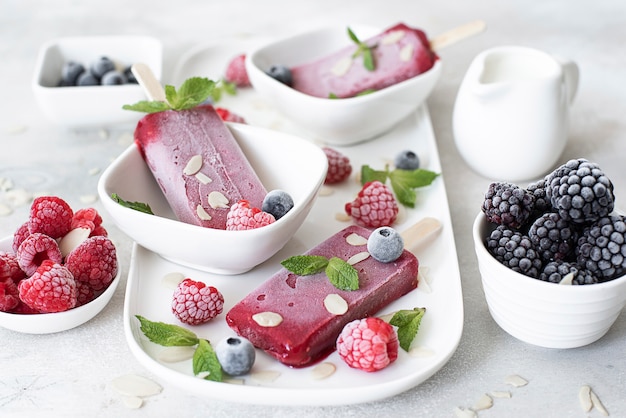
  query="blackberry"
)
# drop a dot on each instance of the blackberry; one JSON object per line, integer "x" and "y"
{"x": 553, "y": 237}
{"x": 580, "y": 191}
{"x": 538, "y": 190}
{"x": 601, "y": 248}
{"x": 556, "y": 271}
{"x": 514, "y": 250}
{"x": 508, "y": 204}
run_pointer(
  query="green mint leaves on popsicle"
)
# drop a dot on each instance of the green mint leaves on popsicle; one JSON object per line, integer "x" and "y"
{"x": 363, "y": 50}
{"x": 191, "y": 93}
{"x": 403, "y": 182}
{"x": 340, "y": 274}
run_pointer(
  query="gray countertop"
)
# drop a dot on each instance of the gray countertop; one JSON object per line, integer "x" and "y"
{"x": 68, "y": 374}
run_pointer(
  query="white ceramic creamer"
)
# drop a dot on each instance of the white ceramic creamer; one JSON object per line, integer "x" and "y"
{"x": 510, "y": 118}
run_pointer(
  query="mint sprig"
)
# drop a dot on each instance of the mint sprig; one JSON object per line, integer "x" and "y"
{"x": 138, "y": 206}
{"x": 408, "y": 323}
{"x": 403, "y": 182}
{"x": 169, "y": 335}
{"x": 363, "y": 50}
{"x": 191, "y": 93}
{"x": 340, "y": 274}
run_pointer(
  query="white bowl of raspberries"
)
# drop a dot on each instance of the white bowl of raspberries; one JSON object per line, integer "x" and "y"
{"x": 552, "y": 256}
{"x": 58, "y": 270}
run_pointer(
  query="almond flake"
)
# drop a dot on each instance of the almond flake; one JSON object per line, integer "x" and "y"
{"x": 424, "y": 279}
{"x": 484, "y": 402}
{"x": 501, "y": 394}
{"x": 18, "y": 197}
{"x": 358, "y": 257}
{"x": 356, "y": 240}
{"x": 132, "y": 402}
{"x": 387, "y": 317}
{"x": 343, "y": 217}
{"x": 568, "y": 279}
{"x": 464, "y": 413}
{"x": 265, "y": 376}
{"x": 93, "y": 171}
{"x": 88, "y": 198}
{"x": 323, "y": 370}
{"x": 234, "y": 381}
{"x": 172, "y": 280}
{"x": 325, "y": 191}
{"x": 584, "y": 396}
{"x": 392, "y": 37}
{"x": 335, "y": 304}
{"x": 515, "y": 380}
{"x": 342, "y": 66}
{"x": 5, "y": 184}
{"x": 406, "y": 53}
{"x": 218, "y": 201}
{"x": 267, "y": 319}
{"x": 203, "y": 178}
{"x": 134, "y": 385}
{"x": 421, "y": 352}
{"x": 5, "y": 210}
{"x": 193, "y": 165}
{"x": 597, "y": 404}
{"x": 202, "y": 213}
{"x": 175, "y": 354}
{"x": 73, "y": 239}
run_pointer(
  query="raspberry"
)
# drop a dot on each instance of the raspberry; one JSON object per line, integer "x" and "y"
{"x": 51, "y": 288}
{"x": 241, "y": 216}
{"x": 236, "y": 71}
{"x": 228, "y": 116}
{"x": 87, "y": 218}
{"x": 9, "y": 296}
{"x": 374, "y": 206}
{"x": 195, "y": 303}
{"x": 368, "y": 344}
{"x": 20, "y": 235}
{"x": 94, "y": 262}
{"x": 84, "y": 293}
{"x": 35, "y": 249}
{"x": 339, "y": 167}
{"x": 50, "y": 215}
{"x": 10, "y": 268}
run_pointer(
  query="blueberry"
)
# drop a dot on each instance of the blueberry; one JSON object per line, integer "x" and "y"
{"x": 385, "y": 244}
{"x": 278, "y": 203}
{"x": 101, "y": 66}
{"x": 70, "y": 72}
{"x": 113, "y": 78}
{"x": 236, "y": 355}
{"x": 130, "y": 77}
{"x": 87, "y": 79}
{"x": 407, "y": 160}
{"x": 281, "y": 73}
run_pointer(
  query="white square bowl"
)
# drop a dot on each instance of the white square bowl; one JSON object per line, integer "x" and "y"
{"x": 92, "y": 106}
{"x": 335, "y": 121}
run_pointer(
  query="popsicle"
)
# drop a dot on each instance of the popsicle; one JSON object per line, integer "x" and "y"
{"x": 297, "y": 319}
{"x": 196, "y": 161}
{"x": 399, "y": 53}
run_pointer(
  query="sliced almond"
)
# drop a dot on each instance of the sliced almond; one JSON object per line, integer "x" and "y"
{"x": 387, "y": 317}
{"x": 233, "y": 381}
{"x": 73, "y": 239}
{"x": 424, "y": 279}
{"x": 18, "y": 197}
{"x": 132, "y": 402}
{"x": 568, "y": 279}
{"x": 342, "y": 66}
{"x": 88, "y": 198}
{"x": 267, "y": 319}
{"x": 264, "y": 376}
{"x": 356, "y": 240}
{"x": 392, "y": 37}
{"x": 484, "y": 402}
{"x": 323, "y": 370}
{"x": 464, "y": 413}
{"x": 325, "y": 191}
{"x": 218, "y": 201}
{"x": 358, "y": 257}
{"x": 203, "y": 178}
{"x": 175, "y": 354}
{"x": 584, "y": 396}
{"x": 335, "y": 304}
{"x": 343, "y": 217}
{"x": 193, "y": 165}
{"x": 406, "y": 53}
{"x": 515, "y": 380}
{"x": 420, "y": 352}
{"x": 501, "y": 394}
{"x": 202, "y": 213}
{"x": 135, "y": 385}
{"x": 172, "y": 279}
{"x": 5, "y": 210}
{"x": 5, "y": 184}
{"x": 598, "y": 404}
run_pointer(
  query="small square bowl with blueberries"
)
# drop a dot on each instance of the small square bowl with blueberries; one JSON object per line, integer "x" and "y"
{"x": 83, "y": 82}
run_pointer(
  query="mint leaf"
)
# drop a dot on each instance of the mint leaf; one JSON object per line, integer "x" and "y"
{"x": 408, "y": 323}
{"x": 403, "y": 182}
{"x": 191, "y": 93}
{"x": 138, "y": 206}
{"x": 405, "y": 194}
{"x": 363, "y": 50}
{"x": 368, "y": 174}
{"x": 166, "y": 334}
{"x": 413, "y": 178}
{"x": 205, "y": 360}
{"x": 145, "y": 106}
{"x": 305, "y": 265}
{"x": 342, "y": 275}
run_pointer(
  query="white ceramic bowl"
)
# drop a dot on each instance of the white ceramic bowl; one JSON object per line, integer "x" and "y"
{"x": 541, "y": 313}
{"x": 335, "y": 121}
{"x": 59, "y": 321}
{"x": 281, "y": 161}
{"x": 89, "y": 106}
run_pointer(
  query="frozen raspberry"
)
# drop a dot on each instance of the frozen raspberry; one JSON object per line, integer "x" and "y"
{"x": 51, "y": 288}
{"x": 236, "y": 71}
{"x": 369, "y": 344}
{"x": 10, "y": 268}
{"x": 375, "y": 206}
{"x": 87, "y": 218}
{"x": 228, "y": 116}
{"x": 84, "y": 293}
{"x": 94, "y": 262}
{"x": 20, "y": 235}
{"x": 50, "y": 215}
{"x": 339, "y": 167}
{"x": 241, "y": 216}
{"x": 9, "y": 295}
{"x": 195, "y": 303}
{"x": 35, "y": 249}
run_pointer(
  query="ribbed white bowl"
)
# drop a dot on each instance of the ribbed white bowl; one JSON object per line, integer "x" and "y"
{"x": 541, "y": 313}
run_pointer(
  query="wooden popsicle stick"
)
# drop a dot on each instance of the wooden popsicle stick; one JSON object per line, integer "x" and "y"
{"x": 457, "y": 34}
{"x": 420, "y": 232}
{"x": 146, "y": 79}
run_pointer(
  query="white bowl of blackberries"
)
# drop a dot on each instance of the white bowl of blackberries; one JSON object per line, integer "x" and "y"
{"x": 552, "y": 256}
{"x": 83, "y": 82}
